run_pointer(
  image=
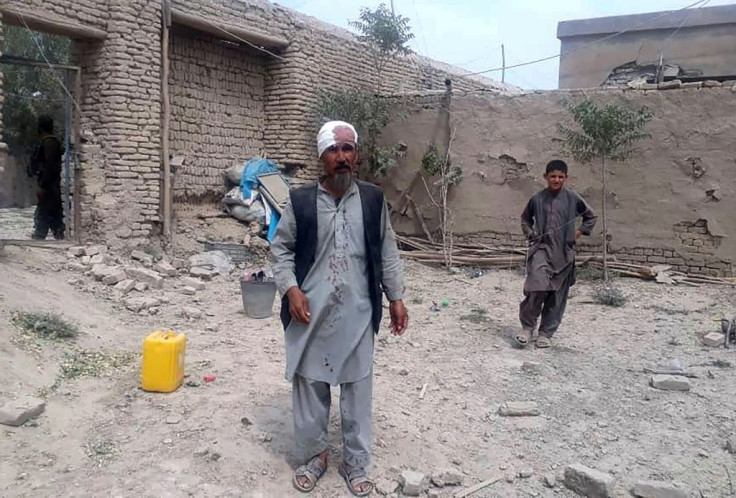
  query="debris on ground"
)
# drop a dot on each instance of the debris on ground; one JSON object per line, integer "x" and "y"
{"x": 17, "y": 412}
{"x": 44, "y": 324}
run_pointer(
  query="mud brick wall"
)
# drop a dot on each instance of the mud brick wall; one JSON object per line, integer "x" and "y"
{"x": 92, "y": 13}
{"x": 672, "y": 203}
{"x": 217, "y": 111}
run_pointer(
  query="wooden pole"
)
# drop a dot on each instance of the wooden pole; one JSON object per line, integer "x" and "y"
{"x": 166, "y": 23}
{"x": 77, "y": 199}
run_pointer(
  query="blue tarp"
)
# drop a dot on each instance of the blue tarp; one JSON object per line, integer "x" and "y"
{"x": 254, "y": 167}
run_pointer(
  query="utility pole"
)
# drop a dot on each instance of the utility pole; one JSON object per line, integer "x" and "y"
{"x": 503, "y": 64}
{"x": 392, "y": 8}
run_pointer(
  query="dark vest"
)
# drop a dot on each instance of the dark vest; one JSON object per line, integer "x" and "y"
{"x": 304, "y": 203}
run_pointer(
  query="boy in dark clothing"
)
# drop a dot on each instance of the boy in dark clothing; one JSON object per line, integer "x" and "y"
{"x": 548, "y": 223}
{"x": 46, "y": 163}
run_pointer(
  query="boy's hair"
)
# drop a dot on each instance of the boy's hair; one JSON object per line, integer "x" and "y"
{"x": 556, "y": 165}
{"x": 45, "y": 124}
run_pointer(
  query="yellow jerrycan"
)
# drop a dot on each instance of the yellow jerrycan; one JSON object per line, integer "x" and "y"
{"x": 163, "y": 361}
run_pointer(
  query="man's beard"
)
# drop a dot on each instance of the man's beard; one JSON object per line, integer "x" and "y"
{"x": 341, "y": 181}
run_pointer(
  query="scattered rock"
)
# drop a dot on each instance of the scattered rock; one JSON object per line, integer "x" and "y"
{"x": 124, "y": 232}
{"x": 670, "y": 383}
{"x": 192, "y": 313}
{"x": 550, "y": 480}
{"x": 714, "y": 339}
{"x": 201, "y": 273}
{"x": 150, "y": 277}
{"x": 519, "y": 409}
{"x": 246, "y": 422}
{"x": 136, "y": 304}
{"x": 114, "y": 277}
{"x": 98, "y": 259}
{"x": 173, "y": 420}
{"x": 404, "y": 372}
{"x": 141, "y": 286}
{"x": 18, "y": 412}
{"x": 669, "y": 85}
{"x": 85, "y": 260}
{"x": 588, "y": 482}
{"x": 142, "y": 257}
{"x": 178, "y": 263}
{"x": 77, "y": 267}
{"x": 212, "y": 261}
{"x": 531, "y": 367}
{"x": 193, "y": 282}
{"x": 413, "y": 483}
{"x": 386, "y": 486}
{"x": 125, "y": 286}
{"x": 92, "y": 250}
{"x": 215, "y": 456}
{"x": 703, "y": 454}
{"x": 447, "y": 478}
{"x": 656, "y": 489}
{"x": 188, "y": 291}
{"x": 525, "y": 473}
{"x": 712, "y": 84}
{"x": 731, "y": 445}
{"x": 76, "y": 251}
{"x": 200, "y": 452}
{"x": 165, "y": 269}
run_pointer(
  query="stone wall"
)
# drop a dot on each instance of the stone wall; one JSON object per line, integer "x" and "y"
{"x": 672, "y": 203}
{"x": 217, "y": 111}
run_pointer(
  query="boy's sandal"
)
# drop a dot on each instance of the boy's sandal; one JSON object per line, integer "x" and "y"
{"x": 312, "y": 471}
{"x": 354, "y": 478}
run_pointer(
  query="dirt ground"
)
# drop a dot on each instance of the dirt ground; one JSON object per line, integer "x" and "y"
{"x": 103, "y": 436}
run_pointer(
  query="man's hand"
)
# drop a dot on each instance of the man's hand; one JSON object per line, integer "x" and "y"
{"x": 298, "y": 305}
{"x": 399, "y": 317}
{"x": 578, "y": 234}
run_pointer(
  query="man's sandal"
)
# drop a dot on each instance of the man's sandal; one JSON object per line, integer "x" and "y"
{"x": 312, "y": 471}
{"x": 354, "y": 478}
{"x": 523, "y": 338}
{"x": 543, "y": 341}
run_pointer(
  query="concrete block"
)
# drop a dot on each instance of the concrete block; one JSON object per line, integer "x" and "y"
{"x": 657, "y": 489}
{"x": 142, "y": 257}
{"x": 519, "y": 409}
{"x": 100, "y": 271}
{"x": 18, "y": 412}
{"x": 201, "y": 273}
{"x": 670, "y": 383}
{"x": 413, "y": 483}
{"x": 588, "y": 482}
{"x": 188, "y": 291}
{"x": 76, "y": 251}
{"x": 714, "y": 339}
{"x": 141, "y": 286}
{"x": 114, "y": 277}
{"x": 77, "y": 267}
{"x": 97, "y": 259}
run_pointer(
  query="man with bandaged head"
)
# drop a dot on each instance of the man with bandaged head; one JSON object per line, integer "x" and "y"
{"x": 334, "y": 256}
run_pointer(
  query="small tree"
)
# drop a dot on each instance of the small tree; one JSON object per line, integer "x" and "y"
{"x": 436, "y": 165}
{"x": 607, "y": 132}
{"x": 385, "y": 33}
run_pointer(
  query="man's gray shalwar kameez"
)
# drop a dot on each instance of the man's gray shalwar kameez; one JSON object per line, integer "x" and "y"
{"x": 548, "y": 221}
{"x": 336, "y": 347}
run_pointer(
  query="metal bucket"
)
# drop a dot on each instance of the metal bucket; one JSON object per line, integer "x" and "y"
{"x": 258, "y": 297}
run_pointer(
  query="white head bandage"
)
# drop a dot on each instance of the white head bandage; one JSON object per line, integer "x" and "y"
{"x": 327, "y": 136}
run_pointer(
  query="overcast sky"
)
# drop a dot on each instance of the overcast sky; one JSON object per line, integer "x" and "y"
{"x": 469, "y": 33}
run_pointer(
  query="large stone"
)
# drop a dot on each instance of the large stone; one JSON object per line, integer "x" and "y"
{"x": 76, "y": 251}
{"x": 731, "y": 445}
{"x": 519, "y": 409}
{"x": 136, "y": 304}
{"x": 92, "y": 250}
{"x": 656, "y": 489}
{"x": 125, "y": 286}
{"x": 100, "y": 271}
{"x": 141, "y": 286}
{"x": 165, "y": 269}
{"x": 178, "y": 263}
{"x": 447, "y": 478}
{"x": 588, "y": 482}
{"x": 714, "y": 339}
{"x": 141, "y": 256}
{"x": 670, "y": 85}
{"x": 201, "y": 273}
{"x": 18, "y": 412}
{"x": 98, "y": 259}
{"x": 114, "y": 277}
{"x": 195, "y": 283}
{"x": 670, "y": 382}
{"x": 413, "y": 483}
{"x": 192, "y": 313}
{"x": 188, "y": 291}
{"x": 77, "y": 267}
{"x": 150, "y": 277}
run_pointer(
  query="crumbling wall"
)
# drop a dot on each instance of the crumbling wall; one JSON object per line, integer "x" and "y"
{"x": 217, "y": 111}
{"x": 672, "y": 203}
